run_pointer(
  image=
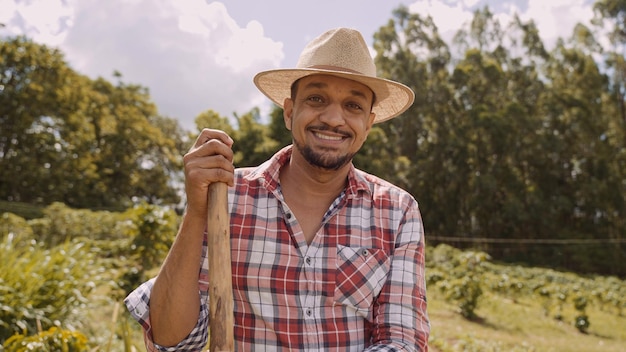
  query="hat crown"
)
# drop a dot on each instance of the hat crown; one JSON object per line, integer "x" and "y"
{"x": 342, "y": 49}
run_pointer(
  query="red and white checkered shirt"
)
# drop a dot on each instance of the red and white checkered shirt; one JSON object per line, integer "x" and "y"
{"x": 358, "y": 286}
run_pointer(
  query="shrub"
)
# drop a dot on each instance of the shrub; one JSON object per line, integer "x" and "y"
{"x": 465, "y": 292}
{"x": 461, "y": 283}
{"x": 61, "y": 223}
{"x": 15, "y": 226}
{"x": 46, "y": 286}
{"x": 54, "y": 339}
{"x": 152, "y": 231}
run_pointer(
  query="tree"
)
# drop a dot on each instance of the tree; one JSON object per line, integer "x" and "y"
{"x": 277, "y": 129}
{"x": 254, "y": 145}
{"x": 30, "y": 102}
{"x": 507, "y": 140}
{"x": 68, "y": 138}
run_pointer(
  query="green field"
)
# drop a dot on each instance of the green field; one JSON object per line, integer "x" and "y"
{"x": 519, "y": 309}
{"x": 63, "y": 278}
{"x": 504, "y": 325}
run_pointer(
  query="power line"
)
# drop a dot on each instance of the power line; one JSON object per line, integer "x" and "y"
{"x": 529, "y": 240}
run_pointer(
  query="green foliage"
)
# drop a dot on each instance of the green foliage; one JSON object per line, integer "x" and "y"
{"x": 61, "y": 223}
{"x": 46, "y": 286}
{"x": 83, "y": 142}
{"x": 213, "y": 120}
{"x": 54, "y": 339}
{"x": 16, "y": 227}
{"x": 277, "y": 129}
{"x": 465, "y": 292}
{"x": 253, "y": 146}
{"x": 507, "y": 140}
{"x": 79, "y": 255}
{"x": 465, "y": 277}
{"x": 458, "y": 275}
{"x": 152, "y": 233}
{"x": 615, "y": 10}
{"x": 379, "y": 157}
{"x": 582, "y": 323}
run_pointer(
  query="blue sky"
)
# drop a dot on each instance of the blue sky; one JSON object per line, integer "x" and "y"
{"x": 196, "y": 55}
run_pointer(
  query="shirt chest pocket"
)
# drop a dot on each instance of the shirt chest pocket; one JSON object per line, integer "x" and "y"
{"x": 361, "y": 274}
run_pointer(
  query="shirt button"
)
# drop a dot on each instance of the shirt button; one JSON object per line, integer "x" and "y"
{"x": 288, "y": 215}
{"x": 308, "y": 260}
{"x": 309, "y": 312}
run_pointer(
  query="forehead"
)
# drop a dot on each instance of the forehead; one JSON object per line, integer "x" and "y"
{"x": 321, "y": 81}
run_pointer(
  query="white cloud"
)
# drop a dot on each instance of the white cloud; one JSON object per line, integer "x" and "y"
{"x": 554, "y": 18}
{"x": 192, "y": 55}
{"x": 470, "y": 3}
{"x": 44, "y": 22}
{"x": 557, "y": 18}
{"x": 447, "y": 17}
{"x": 9, "y": 7}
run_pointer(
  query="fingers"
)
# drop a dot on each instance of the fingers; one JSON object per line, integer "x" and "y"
{"x": 210, "y": 159}
{"x": 209, "y": 168}
{"x": 210, "y": 134}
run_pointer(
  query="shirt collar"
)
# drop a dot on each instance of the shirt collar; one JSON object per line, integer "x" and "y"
{"x": 269, "y": 174}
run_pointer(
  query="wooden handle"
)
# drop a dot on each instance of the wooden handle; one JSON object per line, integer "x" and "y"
{"x": 221, "y": 317}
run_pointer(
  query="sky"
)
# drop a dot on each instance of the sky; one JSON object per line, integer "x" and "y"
{"x": 196, "y": 55}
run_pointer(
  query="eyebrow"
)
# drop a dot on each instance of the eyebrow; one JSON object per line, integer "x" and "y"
{"x": 321, "y": 85}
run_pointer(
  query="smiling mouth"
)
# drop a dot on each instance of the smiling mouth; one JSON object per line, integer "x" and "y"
{"x": 327, "y": 137}
{"x": 329, "y": 134}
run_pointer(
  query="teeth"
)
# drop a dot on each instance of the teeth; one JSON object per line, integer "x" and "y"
{"x": 327, "y": 137}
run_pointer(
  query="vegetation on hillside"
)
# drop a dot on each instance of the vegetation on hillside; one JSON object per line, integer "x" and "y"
{"x": 67, "y": 288}
{"x": 508, "y": 144}
{"x": 515, "y": 152}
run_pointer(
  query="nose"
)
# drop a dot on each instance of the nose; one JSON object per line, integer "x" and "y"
{"x": 333, "y": 115}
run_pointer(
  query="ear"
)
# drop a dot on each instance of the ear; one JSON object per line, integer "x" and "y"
{"x": 370, "y": 123}
{"x": 288, "y": 112}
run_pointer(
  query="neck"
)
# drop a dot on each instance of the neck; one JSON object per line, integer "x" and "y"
{"x": 311, "y": 180}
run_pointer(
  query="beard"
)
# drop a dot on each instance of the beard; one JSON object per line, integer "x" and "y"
{"x": 322, "y": 160}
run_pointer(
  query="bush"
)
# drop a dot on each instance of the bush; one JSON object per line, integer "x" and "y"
{"x": 44, "y": 286}
{"x": 152, "y": 233}
{"x": 61, "y": 223}
{"x": 463, "y": 276}
{"x": 50, "y": 266}
{"x": 16, "y": 227}
{"x": 54, "y": 339}
{"x": 465, "y": 292}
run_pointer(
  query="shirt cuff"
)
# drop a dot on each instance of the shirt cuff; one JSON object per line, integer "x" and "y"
{"x": 138, "y": 305}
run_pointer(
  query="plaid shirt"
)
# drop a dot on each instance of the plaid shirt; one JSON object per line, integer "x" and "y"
{"x": 358, "y": 286}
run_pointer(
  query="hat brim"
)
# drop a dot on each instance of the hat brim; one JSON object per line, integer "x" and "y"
{"x": 392, "y": 98}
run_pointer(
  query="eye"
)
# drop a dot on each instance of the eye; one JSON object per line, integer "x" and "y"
{"x": 354, "y": 106}
{"x": 315, "y": 99}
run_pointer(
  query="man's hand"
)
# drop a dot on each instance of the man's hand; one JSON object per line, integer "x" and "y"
{"x": 209, "y": 160}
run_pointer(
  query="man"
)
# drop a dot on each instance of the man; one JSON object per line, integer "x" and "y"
{"x": 324, "y": 256}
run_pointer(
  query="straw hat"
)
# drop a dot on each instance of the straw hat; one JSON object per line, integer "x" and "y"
{"x": 339, "y": 52}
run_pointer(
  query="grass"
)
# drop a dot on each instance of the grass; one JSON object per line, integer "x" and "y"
{"x": 504, "y": 325}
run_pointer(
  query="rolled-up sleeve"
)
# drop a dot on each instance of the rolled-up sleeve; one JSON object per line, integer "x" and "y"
{"x": 400, "y": 319}
{"x": 138, "y": 304}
